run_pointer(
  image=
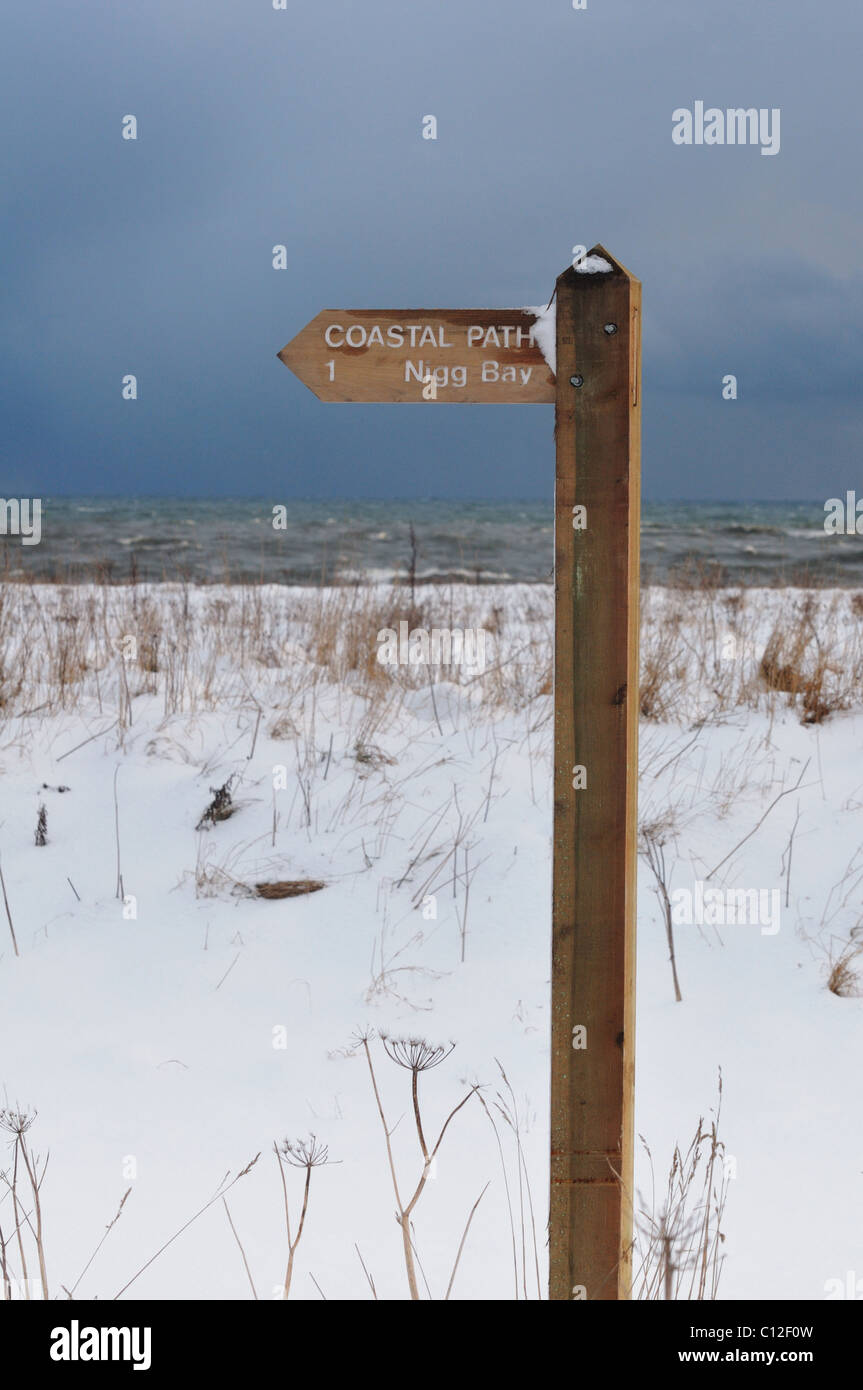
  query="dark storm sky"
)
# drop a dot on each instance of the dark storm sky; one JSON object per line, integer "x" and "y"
{"x": 303, "y": 127}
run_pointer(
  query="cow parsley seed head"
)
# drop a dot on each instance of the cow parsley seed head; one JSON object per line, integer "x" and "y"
{"x": 415, "y": 1054}
{"x": 304, "y": 1153}
{"x": 16, "y": 1121}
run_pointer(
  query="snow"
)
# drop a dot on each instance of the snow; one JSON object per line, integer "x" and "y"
{"x": 152, "y": 1039}
{"x": 545, "y": 328}
{"x": 592, "y": 265}
{"x": 545, "y": 331}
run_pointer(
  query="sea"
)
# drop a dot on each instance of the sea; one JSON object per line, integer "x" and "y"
{"x": 205, "y": 541}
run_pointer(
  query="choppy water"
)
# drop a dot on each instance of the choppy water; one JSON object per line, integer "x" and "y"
{"x": 206, "y": 540}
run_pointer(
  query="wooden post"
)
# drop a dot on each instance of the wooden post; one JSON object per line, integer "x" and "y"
{"x": 597, "y": 432}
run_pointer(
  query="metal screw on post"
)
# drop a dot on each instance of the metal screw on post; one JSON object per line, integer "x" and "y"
{"x": 609, "y": 328}
{"x": 576, "y": 380}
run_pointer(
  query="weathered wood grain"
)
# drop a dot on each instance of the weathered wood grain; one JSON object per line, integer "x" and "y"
{"x": 597, "y": 430}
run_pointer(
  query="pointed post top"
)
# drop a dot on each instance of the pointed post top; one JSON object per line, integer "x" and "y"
{"x": 588, "y": 269}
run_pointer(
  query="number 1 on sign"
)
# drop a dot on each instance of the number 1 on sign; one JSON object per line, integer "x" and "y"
{"x": 332, "y": 367}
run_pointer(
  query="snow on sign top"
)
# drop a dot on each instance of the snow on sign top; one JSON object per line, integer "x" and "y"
{"x": 484, "y": 356}
{"x": 592, "y": 265}
{"x": 545, "y": 319}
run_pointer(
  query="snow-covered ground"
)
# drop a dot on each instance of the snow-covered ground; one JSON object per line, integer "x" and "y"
{"x": 169, "y": 1034}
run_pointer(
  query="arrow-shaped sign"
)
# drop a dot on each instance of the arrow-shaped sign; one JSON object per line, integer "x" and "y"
{"x": 484, "y": 356}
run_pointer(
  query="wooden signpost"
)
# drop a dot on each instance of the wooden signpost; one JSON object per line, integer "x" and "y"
{"x": 492, "y": 356}
{"x": 597, "y": 429}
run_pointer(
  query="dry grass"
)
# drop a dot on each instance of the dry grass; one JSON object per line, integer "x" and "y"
{"x": 844, "y": 978}
{"x": 289, "y": 888}
{"x": 705, "y": 650}
{"x": 679, "y": 1237}
{"x": 796, "y": 661}
{"x": 67, "y": 648}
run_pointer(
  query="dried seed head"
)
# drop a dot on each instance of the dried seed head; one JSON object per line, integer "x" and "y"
{"x": 415, "y": 1054}
{"x": 304, "y": 1153}
{"x": 16, "y": 1121}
